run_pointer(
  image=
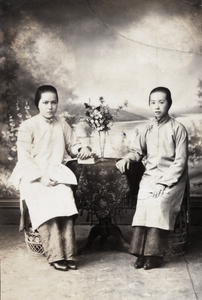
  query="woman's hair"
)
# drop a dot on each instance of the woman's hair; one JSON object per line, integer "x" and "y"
{"x": 43, "y": 89}
{"x": 164, "y": 90}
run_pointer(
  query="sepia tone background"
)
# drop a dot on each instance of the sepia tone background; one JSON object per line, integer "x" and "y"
{"x": 119, "y": 50}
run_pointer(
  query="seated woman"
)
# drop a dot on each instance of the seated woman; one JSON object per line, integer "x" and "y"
{"x": 163, "y": 143}
{"x": 44, "y": 142}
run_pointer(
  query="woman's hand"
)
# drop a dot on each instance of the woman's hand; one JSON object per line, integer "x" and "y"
{"x": 122, "y": 165}
{"x": 159, "y": 190}
{"x": 84, "y": 153}
{"x": 46, "y": 181}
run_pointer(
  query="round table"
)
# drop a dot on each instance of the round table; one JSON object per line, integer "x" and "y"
{"x": 104, "y": 192}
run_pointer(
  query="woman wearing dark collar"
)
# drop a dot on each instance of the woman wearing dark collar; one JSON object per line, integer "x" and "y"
{"x": 163, "y": 143}
{"x": 45, "y": 142}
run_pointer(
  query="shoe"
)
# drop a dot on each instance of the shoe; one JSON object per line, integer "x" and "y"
{"x": 139, "y": 262}
{"x": 71, "y": 264}
{"x": 151, "y": 262}
{"x": 60, "y": 265}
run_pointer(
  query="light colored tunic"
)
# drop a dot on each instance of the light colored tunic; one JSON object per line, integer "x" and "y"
{"x": 42, "y": 144}
{"x": 164, "y": 146}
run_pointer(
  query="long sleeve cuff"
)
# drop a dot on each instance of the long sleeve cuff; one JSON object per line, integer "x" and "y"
{"x": 132, "y": 156}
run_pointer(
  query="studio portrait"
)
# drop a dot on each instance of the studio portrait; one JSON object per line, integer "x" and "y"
{"x": 100, "y": 149}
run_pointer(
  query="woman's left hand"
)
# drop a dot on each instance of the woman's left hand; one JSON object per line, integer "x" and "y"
{"x": 159, "y": 190}
{"x": 84, "y": 153}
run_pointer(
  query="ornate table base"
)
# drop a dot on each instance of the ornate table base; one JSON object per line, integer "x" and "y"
{"x": 104, "y": 229}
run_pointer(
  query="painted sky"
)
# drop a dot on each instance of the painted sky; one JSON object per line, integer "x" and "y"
{"x": 116, "y": 49}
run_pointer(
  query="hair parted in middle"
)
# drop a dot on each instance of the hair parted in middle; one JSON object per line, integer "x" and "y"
{"x": 43, "y": 89}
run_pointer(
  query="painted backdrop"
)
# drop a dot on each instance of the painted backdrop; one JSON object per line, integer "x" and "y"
{"x": 119, "y": 50}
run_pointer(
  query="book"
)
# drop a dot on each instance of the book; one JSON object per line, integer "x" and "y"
{"x": 90, "y": 160}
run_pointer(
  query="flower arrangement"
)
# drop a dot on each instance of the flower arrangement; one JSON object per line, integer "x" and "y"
{"x": 99, "y": 117}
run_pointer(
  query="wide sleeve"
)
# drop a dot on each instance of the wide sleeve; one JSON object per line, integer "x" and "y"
{"x": 179, "y": 165}
{"x": 137, "y": 147}
{"x": 25, "y": 166}
{"x": 72, "y": 144}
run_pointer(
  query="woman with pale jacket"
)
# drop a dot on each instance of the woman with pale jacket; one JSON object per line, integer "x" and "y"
{"x": 163, "y": 143}
{"x": 45, "y": 142}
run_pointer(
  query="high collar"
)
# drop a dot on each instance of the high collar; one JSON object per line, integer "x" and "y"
{"x": 162, "y": 120}
{"x": 49, "y": 121}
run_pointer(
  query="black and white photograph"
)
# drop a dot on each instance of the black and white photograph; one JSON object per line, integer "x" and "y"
{"x": 100, "y": 149}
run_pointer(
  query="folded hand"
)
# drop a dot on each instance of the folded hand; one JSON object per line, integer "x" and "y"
{"x": 46, "y": 181}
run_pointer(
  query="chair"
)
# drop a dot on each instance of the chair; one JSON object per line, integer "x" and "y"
{"x": 179, "y": 238}
{"x": 32, "y": 237}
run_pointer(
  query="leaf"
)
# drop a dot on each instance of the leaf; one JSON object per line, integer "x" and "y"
{"x": 87, "y": 105}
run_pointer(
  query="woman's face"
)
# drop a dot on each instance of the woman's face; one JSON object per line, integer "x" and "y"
{"x": 159, "y": 104}
{"x": 48, "y": 105}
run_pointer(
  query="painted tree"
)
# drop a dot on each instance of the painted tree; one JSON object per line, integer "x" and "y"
{"x": 200, "y": 92}
{"x": 195, "y": 142}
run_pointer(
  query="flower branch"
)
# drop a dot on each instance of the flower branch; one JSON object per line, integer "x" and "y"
{"x": 99, "y": 117}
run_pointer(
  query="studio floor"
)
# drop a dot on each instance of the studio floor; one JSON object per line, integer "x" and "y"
{"x": 104, "y": 272}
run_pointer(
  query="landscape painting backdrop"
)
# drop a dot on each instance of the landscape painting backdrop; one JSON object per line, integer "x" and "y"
{"x": 119, "y": 50}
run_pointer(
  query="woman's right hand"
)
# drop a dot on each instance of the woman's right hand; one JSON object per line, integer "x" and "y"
{"x": 122, "y": 164}
{"x": 46, "y": 181}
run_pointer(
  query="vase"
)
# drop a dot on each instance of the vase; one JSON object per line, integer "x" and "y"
{"x": 102, "y": 142}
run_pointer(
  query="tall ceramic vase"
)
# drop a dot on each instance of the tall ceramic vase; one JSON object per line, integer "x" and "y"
{"x": 102, "y": 142}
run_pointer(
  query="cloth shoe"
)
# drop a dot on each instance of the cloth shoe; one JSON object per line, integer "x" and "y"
{"x": 139, "y": 262}
{"x": 60, "y": 265}
{"x": 151, "y": 262}
{"x": 71, "y": 264}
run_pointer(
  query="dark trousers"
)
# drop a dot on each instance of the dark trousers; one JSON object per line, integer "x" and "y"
{"x": 58, "y": 238}
{"x": 148, "y": 241}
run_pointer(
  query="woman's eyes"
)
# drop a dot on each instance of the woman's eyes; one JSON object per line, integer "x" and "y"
{"x": 160, "y": 102}
{"x": 47, "y": 102}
